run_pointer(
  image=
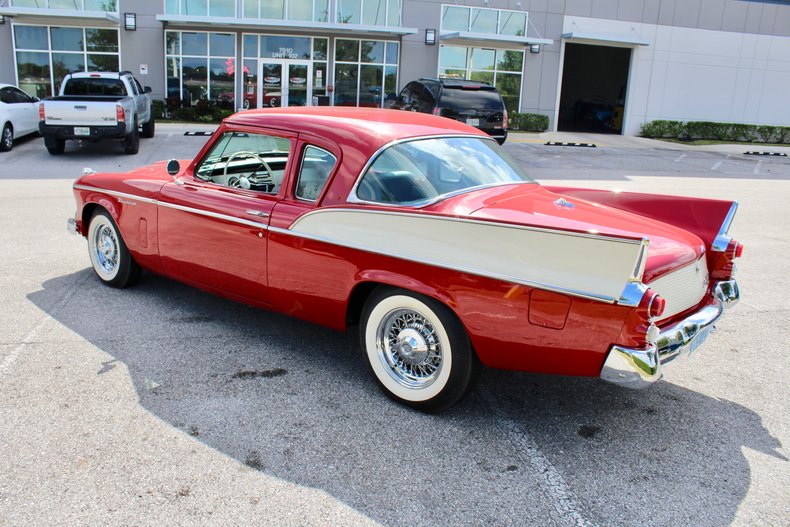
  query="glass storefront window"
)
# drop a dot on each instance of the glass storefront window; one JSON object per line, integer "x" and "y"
{"x": 273, "y": 9}
{"x": 30, "y": 37}
{"x": 320, "y": 48}
{"x": 455, "y": 18}
{"x": 194, "y": 7}
{"x": 482, "y": 59}
{"x": 283, "y": 47}
{"x": 66, "y": 38}
{"x": 109, "y": 6}
{"x": 366, "y": 72}
{"x": 321, "y": 11}
{"x": 102, "y": 40}
{"x": 368, "y": 12}
{"x": 309, "y": 10}
{"x": 484, "y": 20}
{"x": 300, "y": 10}
{"x": 201, "y": 67}
{"x": 502, "y": 68}
{"x": 45, "y": 54}
{"x": 194, "y": 43}
{"x": 223, "y": 8}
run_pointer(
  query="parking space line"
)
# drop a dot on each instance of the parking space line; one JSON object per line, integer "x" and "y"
{"x": 757, "y": 168}
{"x": 28, "y": 339}
{"x": 550, "y": 480}
{"x": 680, "y": 157}
{"x": 716, "y": 165}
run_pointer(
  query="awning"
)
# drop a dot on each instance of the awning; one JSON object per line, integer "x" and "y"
{"x": 65, "y": 14}
{"x": 489, "y": 39}
{"x": 279, "y": 25}
{"x": 634, "y": 40}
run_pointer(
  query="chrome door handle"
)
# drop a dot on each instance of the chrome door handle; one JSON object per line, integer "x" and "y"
{"x": 258, "y": 213}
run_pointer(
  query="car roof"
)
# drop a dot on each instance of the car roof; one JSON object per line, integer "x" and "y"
{"x": 367, "y": 128}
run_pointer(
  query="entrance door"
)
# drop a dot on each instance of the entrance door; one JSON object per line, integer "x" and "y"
{"x": 285, "y": 83}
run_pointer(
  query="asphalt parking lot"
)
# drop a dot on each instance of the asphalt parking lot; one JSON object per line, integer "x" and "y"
{"x": 162, "y": 404}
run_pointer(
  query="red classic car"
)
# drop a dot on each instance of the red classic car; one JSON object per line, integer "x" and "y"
{"x": 426, "y": 235}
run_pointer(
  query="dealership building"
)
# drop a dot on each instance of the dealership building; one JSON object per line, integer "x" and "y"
{"x": 592, "y": 65}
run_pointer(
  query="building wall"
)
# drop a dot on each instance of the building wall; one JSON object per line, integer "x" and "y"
{"x": 144, "y": 46}
{"x": 6, "y": 54}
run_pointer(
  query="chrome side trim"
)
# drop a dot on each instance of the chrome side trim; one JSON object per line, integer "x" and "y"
{"x": 467, "y": 270}
{"x": 215, "y": 215}
{"x": 617, "y": 239}
{"x": 190, "y": 210}
{"x": 121, "y": 195}
{"x": 641, "y": 261}
{"x": 722, "y": 240}
{"x": 352, "y": 195}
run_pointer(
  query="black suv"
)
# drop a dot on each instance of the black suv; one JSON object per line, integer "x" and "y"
{"x": 475, "y": 103}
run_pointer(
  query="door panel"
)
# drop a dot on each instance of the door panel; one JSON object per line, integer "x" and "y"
{"x": 215, "y": 236}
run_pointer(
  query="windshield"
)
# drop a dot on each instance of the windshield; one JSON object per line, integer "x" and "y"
{"x": 426, "y": 170}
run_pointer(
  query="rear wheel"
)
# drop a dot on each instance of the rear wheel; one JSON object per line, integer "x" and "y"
{"x": 149, "y": 128}
{"x": 110, "y": 258}
{"x": 7, "y": 139}
{"x": 417, "y": 350}
{"x": 131, "y": 143}
{"x": 54, "y": 145}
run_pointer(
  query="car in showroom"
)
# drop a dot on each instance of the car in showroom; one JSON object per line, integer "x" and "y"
{"x": 475, "y": 103}
{"x": 18, "y": 115}
{"x": 426, "y": 236}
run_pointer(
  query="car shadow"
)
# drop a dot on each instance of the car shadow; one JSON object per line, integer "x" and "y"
{"x": 295, "y": 401}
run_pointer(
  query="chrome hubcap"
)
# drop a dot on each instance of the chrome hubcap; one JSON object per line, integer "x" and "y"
{"x": 106, "y": 248}
{"x": 410, "y": 347}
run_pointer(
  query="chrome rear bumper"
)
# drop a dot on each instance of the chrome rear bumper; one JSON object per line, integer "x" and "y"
{"x": 639, "y": 368}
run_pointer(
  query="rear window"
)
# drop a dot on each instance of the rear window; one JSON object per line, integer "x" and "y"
{"x": 94, "y": 86}
{"x": 460, "y": 99}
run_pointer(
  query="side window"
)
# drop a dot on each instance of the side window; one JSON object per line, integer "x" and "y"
{"x": 21, "y": 96}
{"x": 133, "y": 85}
{"x": 427, "y": 102}
{"x": 5, "y": 96}
{"x": 247, "y": 161}
{"x": 317, "y": 164}
{"x": 140, "y": 89}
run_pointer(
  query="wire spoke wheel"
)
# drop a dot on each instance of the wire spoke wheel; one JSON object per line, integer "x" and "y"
{"x": 417, "y": 349}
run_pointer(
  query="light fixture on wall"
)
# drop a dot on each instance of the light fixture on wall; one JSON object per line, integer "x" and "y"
{"x": 430, "y": 37}
{"x": 2, "y": 19}
{"x": 534, "y": 48}
{"x": 130, "y": 21}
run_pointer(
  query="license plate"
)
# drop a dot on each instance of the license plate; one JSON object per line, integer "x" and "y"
{"x": 473, "y": 122}
{"x": 82, "y": 130}
{"x": 699, "y": 339}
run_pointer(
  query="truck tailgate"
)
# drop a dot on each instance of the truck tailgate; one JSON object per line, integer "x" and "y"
{"x": 80, "y": 113}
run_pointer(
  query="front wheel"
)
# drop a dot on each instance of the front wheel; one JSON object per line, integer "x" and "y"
{"x": 417, "y": 350}
{"x": 7, "y": 139}
{"x": 110, "y": 258}
{"x": 149, "y": 127}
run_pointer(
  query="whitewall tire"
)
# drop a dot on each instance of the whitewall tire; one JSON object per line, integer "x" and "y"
{"x": 417, "y": 350}
{"x": 109, "y": 256}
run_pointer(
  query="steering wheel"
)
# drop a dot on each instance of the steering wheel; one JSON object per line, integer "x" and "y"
{"x": 244, "y": 181}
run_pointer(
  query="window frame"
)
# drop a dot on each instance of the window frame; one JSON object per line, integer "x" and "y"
{"x": 470, "y": 8}
{"x": 298, "y": 177}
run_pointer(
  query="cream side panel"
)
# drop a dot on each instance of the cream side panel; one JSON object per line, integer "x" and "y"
{"x": 582, "y": 265}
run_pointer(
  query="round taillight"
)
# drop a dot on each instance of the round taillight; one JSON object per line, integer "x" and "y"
{"x": 656, "y": 306}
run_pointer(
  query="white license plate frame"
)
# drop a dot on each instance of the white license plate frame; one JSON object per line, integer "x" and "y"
{"x": 82, "y": 130}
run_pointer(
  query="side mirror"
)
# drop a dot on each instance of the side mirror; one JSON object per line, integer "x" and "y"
{"x": 147, "y": 89}
{"x": 173, "y": 167}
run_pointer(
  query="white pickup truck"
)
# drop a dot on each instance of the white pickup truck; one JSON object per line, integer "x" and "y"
{"x": 95, "y": 106}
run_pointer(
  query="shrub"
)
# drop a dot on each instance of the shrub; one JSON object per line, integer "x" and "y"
{"x": 716, "y": 131}
{"x": 528, "y": 122}
{"x": 676, "y": 129}
{"x": 158, "y": 108}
